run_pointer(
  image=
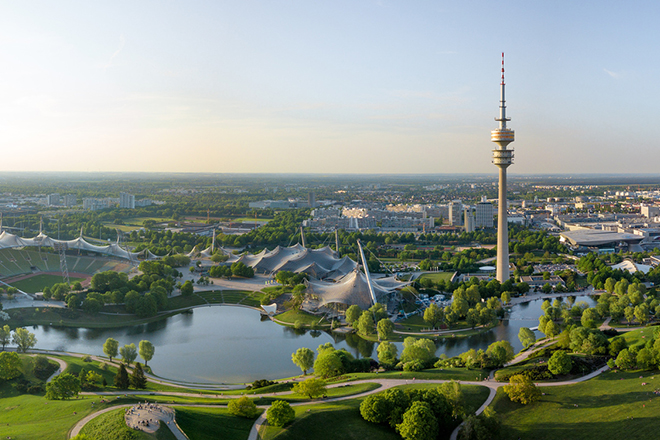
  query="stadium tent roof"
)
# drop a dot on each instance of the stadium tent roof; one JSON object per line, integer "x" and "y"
{"x": 8, "y": 240}
{"x": 320, "y": 263}
{"x": 353, "y": 288}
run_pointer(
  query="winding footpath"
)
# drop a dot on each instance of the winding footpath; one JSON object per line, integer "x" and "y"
{"x": 385, "y": 384}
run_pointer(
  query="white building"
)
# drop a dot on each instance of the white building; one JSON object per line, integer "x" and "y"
{"x": 126, "y": 201}
{"x": 54, "y": 199}
{"x": 456, "y": 213}
{"x": 70, "y": 200}
{"x": 470, "y": 220}
{"x": 484, "y": 214}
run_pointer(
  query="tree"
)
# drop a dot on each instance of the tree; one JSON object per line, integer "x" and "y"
{"x": 365, "y": 325}
{"x": 63, "y": 386}
{"x": 485, "y": 426}
{"x": 280, "y": 413}
{"x": 138, "y": 379}
{"x": 625, "y": 360}
{"x": 111, "y": 348}
{"x": 328, "y": 364}
{"x": 521, "y": 389}
{"x": 500, "y": 352}
{"x": 417, "y": 349}
{"x": 5, "y": 336}
{"x": 353, "y": 314}
{"x": 385, "y": 329}
{"x": 311, "y": 387}
{"x": 243, "y": 407}
{"x": 121, "y": 378}
{"x": 526, "y": 336}
{"x": 376, "y": 408}
{"x": 472, "y": 318}
{"x": 418, "y": 423}
{"x": 642, "y": 313}
{"x": 560, "y": 363}
{"x": 551, "y": 329}
{"x": 128, "y": 353}
{"x": 303, "y": 358}
{"x": 387, "y": 353}
{"x": 547, "y": 288}
{"x": 629, "y": 313}
{"x": 23, "y": 339}
{"x": 147, "y": 351}
{"x": 506, "y": 297}
{"x": 589, "y": 318}
{"x": 10, "y": 365}
{"x": 645, "y": 359}
{"x": 187, "y": 288}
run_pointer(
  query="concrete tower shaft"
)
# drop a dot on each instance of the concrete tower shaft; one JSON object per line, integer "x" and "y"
{"x": 502, "y": 158}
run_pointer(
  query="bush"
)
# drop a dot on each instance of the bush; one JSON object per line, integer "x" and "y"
{"x": 86, "y": 358}
{"x": 260, "y": 383}
{"x": 414, "y": 365}
{"x": 243, "y": 407}
{"x": 280, "y": 413}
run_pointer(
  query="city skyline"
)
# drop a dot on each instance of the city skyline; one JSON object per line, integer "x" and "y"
{"x": 372, "y": 87}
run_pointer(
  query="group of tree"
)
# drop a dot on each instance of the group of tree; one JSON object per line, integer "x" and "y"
{"x": 21, "y": 337}
{"x": 495, "y": 356}
{"x": 143, "y": 295}
{"x": 416, "y": 414}
{"x": 331, "y": 362}
{"x": 644, "y": 355}
{"x": 368, "y": 322}
{"x": 136, "y": 379}
{"x": 129, "y": 352}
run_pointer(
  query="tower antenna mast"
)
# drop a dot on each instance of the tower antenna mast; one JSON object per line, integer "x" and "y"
{"x": 502, "y": 158}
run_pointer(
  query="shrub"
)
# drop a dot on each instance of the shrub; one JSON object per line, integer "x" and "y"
{"x": 280, "y": 413}
{"x": 414, "y": 365}
{"x": 243, "y": 407}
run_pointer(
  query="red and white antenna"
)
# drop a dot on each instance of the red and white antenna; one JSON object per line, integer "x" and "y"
{"x": 502, "y": 83}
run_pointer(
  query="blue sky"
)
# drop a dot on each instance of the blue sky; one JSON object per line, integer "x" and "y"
{"x": 327, "y": 86}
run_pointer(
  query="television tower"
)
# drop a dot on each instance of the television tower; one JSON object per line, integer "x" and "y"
{"x": 502, "y": 158}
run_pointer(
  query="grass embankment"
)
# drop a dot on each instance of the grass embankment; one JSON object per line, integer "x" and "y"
{"x": 612, "y": 406}
{"x": 417, "y": 324}
{"x": 31, "y": 417}
{"x": 290, "y": 317}
{"x": 76, "y": 364}
{"x": 430, "y": 374}
{"x": 38, "y": 282}
{"x": 212, "y": 423}
{"x": 65, "y": 317}
{"x": 312, "y": 421}
{"x": 112, "y": 426}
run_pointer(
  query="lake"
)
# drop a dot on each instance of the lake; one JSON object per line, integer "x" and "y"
{"x": 224, "y": 344}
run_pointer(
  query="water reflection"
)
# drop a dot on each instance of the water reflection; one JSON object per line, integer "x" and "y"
{"x": 231, "y": 344}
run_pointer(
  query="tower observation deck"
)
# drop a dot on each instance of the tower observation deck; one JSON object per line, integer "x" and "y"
{"x": 502, "y": 158}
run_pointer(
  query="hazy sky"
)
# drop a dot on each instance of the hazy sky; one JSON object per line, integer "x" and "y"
{"x": 328, "y": 86}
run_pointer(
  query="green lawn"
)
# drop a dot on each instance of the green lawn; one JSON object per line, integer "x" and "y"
{"x": 432, "y": 373}
{"x": 435, "y": 277}
{"x": 212, "y": 423}
{"x": 111, "y": 426}
{"x": 612, "y": 406}
{"x": 312, "y": 421}
{"x": 38, "y": 282}
{"x": 31, "y": 417}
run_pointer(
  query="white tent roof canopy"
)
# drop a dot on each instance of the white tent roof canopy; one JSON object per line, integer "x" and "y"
{"x": 8, "y": 240}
